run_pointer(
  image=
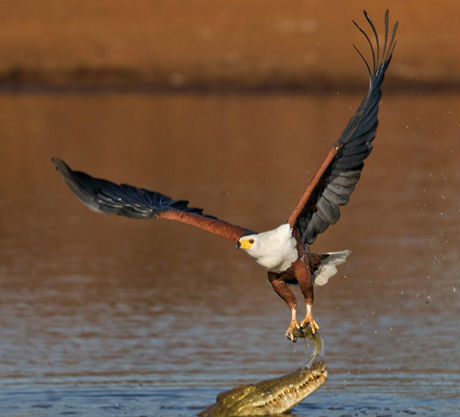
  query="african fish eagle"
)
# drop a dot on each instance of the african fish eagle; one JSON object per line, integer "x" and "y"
{"x": 284, "y": 251}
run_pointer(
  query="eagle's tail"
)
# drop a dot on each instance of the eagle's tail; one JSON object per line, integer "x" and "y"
{"x": 327, "y": 268}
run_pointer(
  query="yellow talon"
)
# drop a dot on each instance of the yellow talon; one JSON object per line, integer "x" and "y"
{"x": 309, "y": 321}
{"x": 294, "y": 325}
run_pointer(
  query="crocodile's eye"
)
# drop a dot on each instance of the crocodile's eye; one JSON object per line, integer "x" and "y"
{"x": 251, "y": 241}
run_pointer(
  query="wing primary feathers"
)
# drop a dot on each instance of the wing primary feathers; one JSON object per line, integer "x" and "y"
{"x": 364, "y": 60}
{"x": 106, "y": 197}
{"x": 337, "y": 176}
{"x": 392, "y": 48}
{"x": 370, "y": 45}
{"x": 386, "y": 33}
{"x": 375, "y": 36}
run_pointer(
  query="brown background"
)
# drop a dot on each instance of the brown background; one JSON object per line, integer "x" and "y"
{"x": 218, "y": 43}
{"x": 103, "y": 315}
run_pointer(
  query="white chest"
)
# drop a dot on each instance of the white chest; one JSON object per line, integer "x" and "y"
{"x": 275, "y": 250}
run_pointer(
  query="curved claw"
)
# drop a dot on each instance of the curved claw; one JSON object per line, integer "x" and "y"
{"x": 309, "y": 321}
{"x": 290, "y": 336}
{"x": 293, "y": 326}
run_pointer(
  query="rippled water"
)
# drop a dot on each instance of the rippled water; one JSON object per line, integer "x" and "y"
{"x": 105, "y": 316}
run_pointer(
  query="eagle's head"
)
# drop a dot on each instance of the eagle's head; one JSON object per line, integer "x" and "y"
{"x": 254, "y": 245}
{"x": 246, "y": 242}
{"x": 275, "y": 249}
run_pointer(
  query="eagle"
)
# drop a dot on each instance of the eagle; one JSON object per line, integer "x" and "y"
{"x": 284, "y": 251}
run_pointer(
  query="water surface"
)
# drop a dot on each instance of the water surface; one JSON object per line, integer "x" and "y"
{"x": 106, "y": 316}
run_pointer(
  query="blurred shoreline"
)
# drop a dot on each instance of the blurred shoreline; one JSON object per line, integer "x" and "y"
{"x": 219, "y": 46}
{"x": 108, "y": 81}
{"x": 130, "y": 81}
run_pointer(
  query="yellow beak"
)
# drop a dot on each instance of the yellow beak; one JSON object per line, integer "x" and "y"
{"x": 244, "y": 243}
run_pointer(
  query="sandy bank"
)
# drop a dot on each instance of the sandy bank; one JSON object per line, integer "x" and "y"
{"x": 220, "y": 44}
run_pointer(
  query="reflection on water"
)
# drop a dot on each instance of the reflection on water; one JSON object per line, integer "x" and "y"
{"x": 101, "y": 315}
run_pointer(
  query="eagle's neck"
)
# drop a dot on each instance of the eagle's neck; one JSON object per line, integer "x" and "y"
{"x": 276, "y": 250}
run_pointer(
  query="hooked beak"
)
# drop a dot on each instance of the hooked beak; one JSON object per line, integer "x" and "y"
{"x": 244, "y": 243}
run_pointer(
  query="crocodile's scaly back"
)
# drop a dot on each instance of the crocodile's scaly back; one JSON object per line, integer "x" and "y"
{"x": 273, "y": 396}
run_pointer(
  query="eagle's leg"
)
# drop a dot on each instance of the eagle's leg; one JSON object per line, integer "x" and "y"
{"x": 303, "y": 275}
{"x": 282, "y": 289}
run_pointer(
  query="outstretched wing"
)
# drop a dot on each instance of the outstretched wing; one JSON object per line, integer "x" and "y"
{"x": 336, "y": 178}
{"x": 107, "y": 197}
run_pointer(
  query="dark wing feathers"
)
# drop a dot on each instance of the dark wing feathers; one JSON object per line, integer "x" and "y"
{"x": 338, "y": 175}
{"x": 319, "y": 205}
{"x": 106, "y": 197}
{"x": 126, "y": 200}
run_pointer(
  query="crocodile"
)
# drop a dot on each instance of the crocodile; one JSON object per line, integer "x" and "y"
{"x": 273, "y": 396}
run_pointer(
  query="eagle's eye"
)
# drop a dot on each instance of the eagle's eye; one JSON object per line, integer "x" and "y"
{"x": 251, "y": 241}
